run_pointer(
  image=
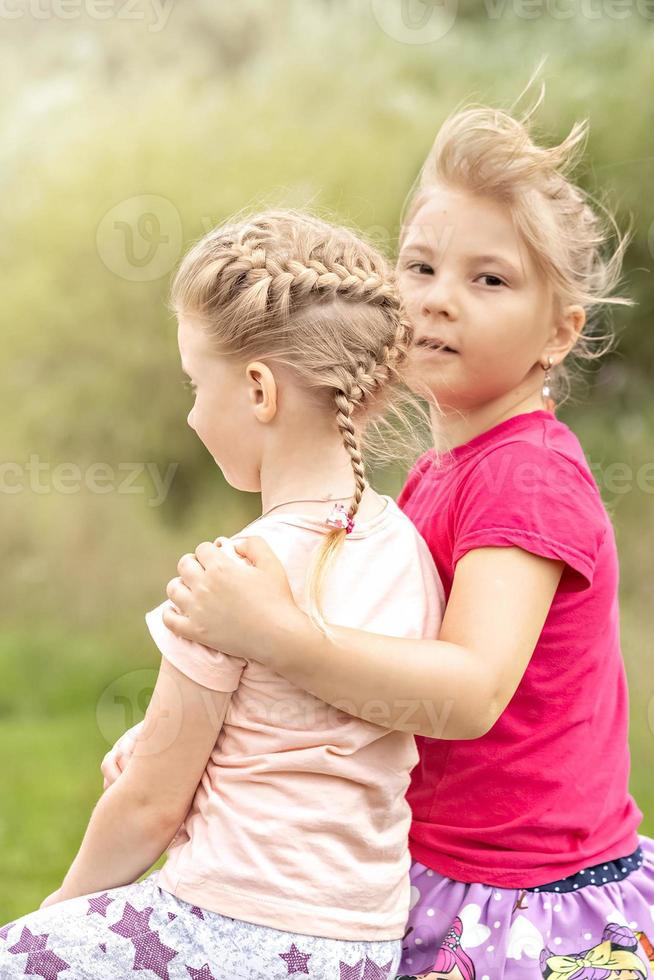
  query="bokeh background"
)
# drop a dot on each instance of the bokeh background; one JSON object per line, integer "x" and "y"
{"x": 126, "y": 131}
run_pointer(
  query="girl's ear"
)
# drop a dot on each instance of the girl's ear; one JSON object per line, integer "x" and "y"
{"x": 574, "y": 318}
{"x": 262, "y": 391}
{"x": 569, "y": 324}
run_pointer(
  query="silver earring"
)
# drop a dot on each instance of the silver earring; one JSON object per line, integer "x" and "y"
{"x": 547, "y": 380}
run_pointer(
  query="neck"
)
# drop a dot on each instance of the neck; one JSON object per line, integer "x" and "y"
{"x": 454, "y": 427}
{"x": 308, "y": 470}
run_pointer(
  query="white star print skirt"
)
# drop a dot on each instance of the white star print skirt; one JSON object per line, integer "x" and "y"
{"x": 144, "y": 932}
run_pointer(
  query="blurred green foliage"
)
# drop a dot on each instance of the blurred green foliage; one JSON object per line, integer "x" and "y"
{"x": 221, "y": 106}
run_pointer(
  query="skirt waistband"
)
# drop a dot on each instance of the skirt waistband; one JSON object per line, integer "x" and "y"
{"x": 599, "y": 874}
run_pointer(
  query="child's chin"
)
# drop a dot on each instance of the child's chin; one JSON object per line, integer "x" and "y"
{"x": 237, "y": 480}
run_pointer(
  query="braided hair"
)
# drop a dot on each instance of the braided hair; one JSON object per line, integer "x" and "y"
{"x": 290, "y": 287}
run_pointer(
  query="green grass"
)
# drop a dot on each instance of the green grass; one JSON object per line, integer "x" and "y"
{"x": 65, "y": 700}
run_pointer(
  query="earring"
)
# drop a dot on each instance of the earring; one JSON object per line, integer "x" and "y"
{"x": 547, "y": 380}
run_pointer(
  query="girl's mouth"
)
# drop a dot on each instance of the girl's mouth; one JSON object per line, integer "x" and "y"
{"x": 435, "y": 346}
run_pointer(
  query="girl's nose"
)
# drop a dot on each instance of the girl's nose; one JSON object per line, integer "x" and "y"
{"x": 440, "y": 300}
{"x": 189, "y": 420}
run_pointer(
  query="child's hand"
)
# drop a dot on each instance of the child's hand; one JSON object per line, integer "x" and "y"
{"x": 227, "y": 604}
{"x": 116, "y": 759}
{"x": 51, "y": 899}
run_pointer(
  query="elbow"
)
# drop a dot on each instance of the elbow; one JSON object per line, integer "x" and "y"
{"x": 156, "y": 817}
{"x": 487, "y": 711}
{"x": 466, "y": 718}
{"x": 483, "y": 707}
{"x": 481, "y": 724}
{"x": 163, "y": 820}
{"x": 164, "y": 824}
{"x": 461, "y": 727}
{"x": 473, "y": 726}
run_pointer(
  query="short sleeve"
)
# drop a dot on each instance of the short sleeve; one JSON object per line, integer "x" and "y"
{"x": 535, "y": 498}
{"x": 205, "y": 666}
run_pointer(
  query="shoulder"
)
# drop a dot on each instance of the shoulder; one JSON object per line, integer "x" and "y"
{"x": 416, "y": 473}
{"x": 533, "y": 490}
{"x": 282, "y": 537}
{"x": 546, "y": 457}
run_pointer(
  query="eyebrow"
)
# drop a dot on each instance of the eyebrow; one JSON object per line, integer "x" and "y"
{"x": 495, "y": 258}
{"x": 423, "y": 249}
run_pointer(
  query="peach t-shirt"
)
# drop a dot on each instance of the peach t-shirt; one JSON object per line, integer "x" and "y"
{"x": 300, "y": 821}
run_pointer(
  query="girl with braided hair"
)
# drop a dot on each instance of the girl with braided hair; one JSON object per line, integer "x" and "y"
{"x": 527, "y": 860}
{"x": 287, "y": 815}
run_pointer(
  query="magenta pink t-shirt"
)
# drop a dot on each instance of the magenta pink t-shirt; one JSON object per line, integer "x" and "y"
{"x": 545, "y": 792}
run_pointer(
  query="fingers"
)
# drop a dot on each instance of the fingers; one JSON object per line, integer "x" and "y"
{"x": 191, "y": 565}
{"x": 177, "y": 623}
{"x": 207, "y": 552}
{"x": 189, "y": 568}
{"x": 179, "y": 594}
{"x": 110, "y": 769}
{"x": 256, "y": 551}
{"x": 116, "y": 760}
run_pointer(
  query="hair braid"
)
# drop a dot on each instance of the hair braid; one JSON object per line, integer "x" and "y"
{"x": 345, "y": 406}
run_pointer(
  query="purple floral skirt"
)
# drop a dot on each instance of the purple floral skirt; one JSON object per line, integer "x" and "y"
{"x": 595, "y": 925}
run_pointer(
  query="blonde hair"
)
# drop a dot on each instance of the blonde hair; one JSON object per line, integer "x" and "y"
{"x": 489, "y": 152}
{"x": 314, "y": 297}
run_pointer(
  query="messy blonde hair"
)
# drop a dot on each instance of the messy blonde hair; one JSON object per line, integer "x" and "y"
{"x": 290, "y": 287}
{"x": 489, "y": 152}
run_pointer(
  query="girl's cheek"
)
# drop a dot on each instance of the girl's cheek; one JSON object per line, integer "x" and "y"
{"x": 411, "y": 297}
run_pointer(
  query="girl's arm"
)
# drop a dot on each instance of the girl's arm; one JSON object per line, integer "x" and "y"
{"x": 136, "y": 818}
{"x": 455, "y": 687}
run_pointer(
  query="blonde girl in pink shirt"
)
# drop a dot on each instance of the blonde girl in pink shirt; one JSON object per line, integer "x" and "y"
{"x": 289, "y": 818}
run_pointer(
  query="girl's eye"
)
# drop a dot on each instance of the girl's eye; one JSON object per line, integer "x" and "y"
{"x": 422, "y": 268}
{"x": 492, "y": 280}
